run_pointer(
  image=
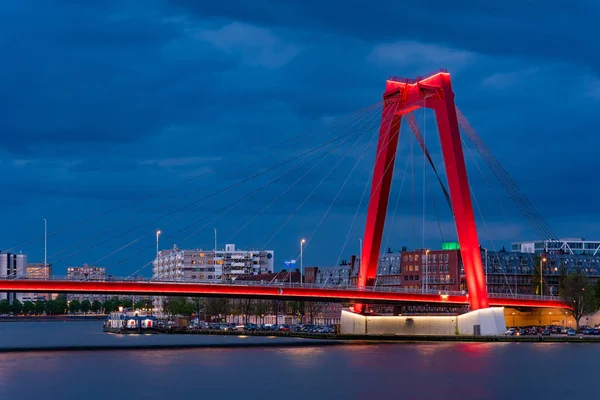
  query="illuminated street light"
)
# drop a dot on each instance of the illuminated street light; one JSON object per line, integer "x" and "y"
{"x": 301, "y": 266}
{"x": 158, "y": 232}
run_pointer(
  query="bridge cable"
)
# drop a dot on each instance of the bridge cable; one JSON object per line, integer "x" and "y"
{"x": 191, "y": 179}
{"x": 279, "y": 196}
{"x": 303, "y": 202}
{"x": 211, "y": 195}
{"x": 127, "y": 222}
{"x": 237, "y": 202}
{"x": 522, "y": 202}
{"x": 361, "y": 156}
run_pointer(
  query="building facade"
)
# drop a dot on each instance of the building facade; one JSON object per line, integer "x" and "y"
{"x": 519, "y": 273}
{"x": 12, "y": 266}
{"x": 431, "y": 270}
{"x": 211, "y": 266}
{"x": 37, "y": 271}
{"x": 87, "y": 273}
{"x": 565, "y": 245}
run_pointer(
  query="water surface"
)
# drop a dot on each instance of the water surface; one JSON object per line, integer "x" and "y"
{"x": 400, "y": 370}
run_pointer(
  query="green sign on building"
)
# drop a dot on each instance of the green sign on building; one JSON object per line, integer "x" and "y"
{"x": 450, "y": 246}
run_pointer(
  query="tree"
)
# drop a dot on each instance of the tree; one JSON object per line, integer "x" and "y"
{"x": 28, "y": 307}
{"x": 216, "y": 306}
{"x": 577, "y": 290}
{"x": 4, "y": 306}
{"x": 597, "y": 291}
{"x": 96, "y": 306}
{"x": 38, "y": 307}
{"x": 61, "y": 306}
{"x": 261, "y": 307}
{"x": 74, "y": 306}
{"x": 313, "y": 308}
{"x": 86, "y": 306}
{"x": 107, "y": 306}
{"x": 296, "y": 308}
{"x": 50, "y": 307}
{"x": 16, "y": 307}
{"x": 144, "y": 303}
{"x": 246, "y": 308}
{"x": 199, "y": 305}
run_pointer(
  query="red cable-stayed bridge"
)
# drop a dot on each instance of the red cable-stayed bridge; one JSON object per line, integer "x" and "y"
{"x": 400, "y": 99}
{"x": 274, "y": 291}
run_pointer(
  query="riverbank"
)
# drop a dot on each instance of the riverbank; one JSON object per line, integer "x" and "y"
{"x": 395, "y": 338}
{"x": 54, "y": 318}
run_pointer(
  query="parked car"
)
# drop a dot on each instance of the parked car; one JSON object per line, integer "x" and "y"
{"x": 571, "y": 332}
{"x": 546, "y": 332}
{"x": 510, "y": 332}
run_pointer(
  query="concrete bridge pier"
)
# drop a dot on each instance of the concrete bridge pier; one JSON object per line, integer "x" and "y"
{"x": 486, "y": 322}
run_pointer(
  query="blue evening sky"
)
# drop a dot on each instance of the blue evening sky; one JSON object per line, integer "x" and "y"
{"x": 105, "y": 102}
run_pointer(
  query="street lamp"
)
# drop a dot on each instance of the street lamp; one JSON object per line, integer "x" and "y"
{"x": 426, "y": 270}
{"x": 542, "y": 260}
{"x": 360, "y": 253}
{"x": 45, "y": 245}
{"x": 158, "y": 232}
{"x": 301, "y": 266}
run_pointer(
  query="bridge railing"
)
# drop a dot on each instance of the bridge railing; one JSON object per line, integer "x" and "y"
{"x": 289, "y": 285}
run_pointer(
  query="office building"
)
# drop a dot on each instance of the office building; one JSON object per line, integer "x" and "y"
{"x": 210, "y": 266}
{"x": 565, "y": 245}
{"x": 87, "y": 273}
{"x": 41, "y": 272}
{"x": 12, "y": 266}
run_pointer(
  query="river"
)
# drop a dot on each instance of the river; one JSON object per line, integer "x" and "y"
{"x": 309, "y": 371}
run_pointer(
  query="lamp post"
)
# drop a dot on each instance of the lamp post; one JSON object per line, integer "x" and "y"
{"x": 45, "y": 245}
{"x": 360, "y": 253}
{"x": 426, "y": 270}
{"x": 158, "y": 232}
{"x": 542, "y": 260}
{"x": 301, "y": 265}
{"x": 485, "y": 266}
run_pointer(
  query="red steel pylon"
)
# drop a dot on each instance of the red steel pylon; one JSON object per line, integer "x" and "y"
{"x": 402, "y": 96}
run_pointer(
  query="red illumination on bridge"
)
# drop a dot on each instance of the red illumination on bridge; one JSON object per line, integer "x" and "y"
{"x": 402, "y": 96}
{"x": 253, "y": 291}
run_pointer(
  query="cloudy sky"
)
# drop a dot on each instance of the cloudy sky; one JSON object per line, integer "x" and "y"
{"x": 121, "y": 117}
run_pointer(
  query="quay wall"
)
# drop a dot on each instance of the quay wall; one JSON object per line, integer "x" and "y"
{"x": 481, "y": 322}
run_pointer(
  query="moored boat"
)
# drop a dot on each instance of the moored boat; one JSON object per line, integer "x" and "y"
{"x": 130, "y": 322}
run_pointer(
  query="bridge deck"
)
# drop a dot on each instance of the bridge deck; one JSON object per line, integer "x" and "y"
{"x": 277, "y": 291}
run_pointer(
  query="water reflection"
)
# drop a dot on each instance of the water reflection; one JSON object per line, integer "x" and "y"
{"x": 301, "y": 356}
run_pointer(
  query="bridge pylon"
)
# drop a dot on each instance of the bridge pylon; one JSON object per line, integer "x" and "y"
{"x": 402, "y": 96}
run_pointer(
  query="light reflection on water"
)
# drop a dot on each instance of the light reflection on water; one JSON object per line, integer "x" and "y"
{"x": 408, "y": 370}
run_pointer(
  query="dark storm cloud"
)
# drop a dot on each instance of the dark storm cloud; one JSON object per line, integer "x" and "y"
{"x": 514, "y": 28}
{"x": 106, "y": 102}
